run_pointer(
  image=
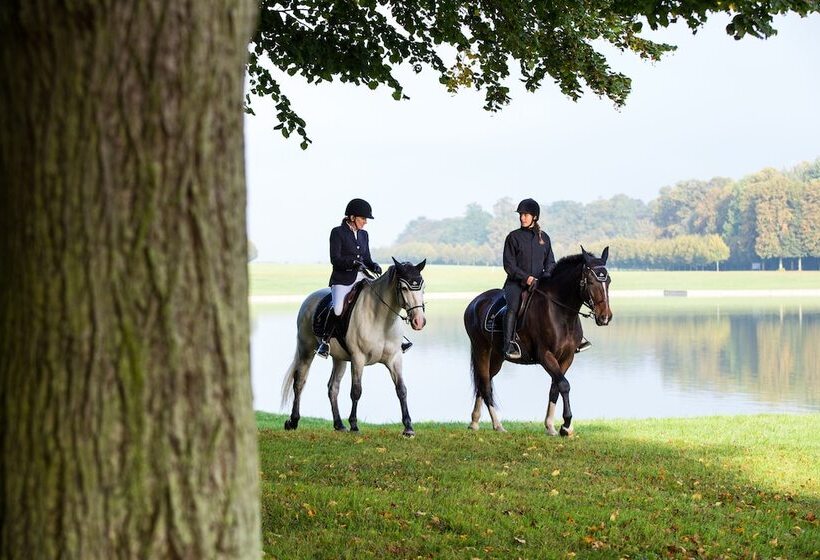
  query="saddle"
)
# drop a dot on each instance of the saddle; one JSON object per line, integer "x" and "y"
{"x": 324, "y": 308}
{"x": 494, "y": 319}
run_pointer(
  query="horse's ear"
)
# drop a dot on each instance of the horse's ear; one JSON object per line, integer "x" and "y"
{"x": 605, "y": 254}
{"x": 395, "y": 262}
{"x": 583, "y": 251}
{"x": 420, "y": 266}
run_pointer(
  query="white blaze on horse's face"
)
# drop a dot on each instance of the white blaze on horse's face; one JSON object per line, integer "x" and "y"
{"x": 596, "y": 281}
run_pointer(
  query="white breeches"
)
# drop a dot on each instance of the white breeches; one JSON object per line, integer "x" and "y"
{"x": 338, "y": 293}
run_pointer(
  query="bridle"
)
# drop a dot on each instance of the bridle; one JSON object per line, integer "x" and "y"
{"x": 413, "y": 286}
{"x": 601, "y": 275}
{"x": 586, "y": 297}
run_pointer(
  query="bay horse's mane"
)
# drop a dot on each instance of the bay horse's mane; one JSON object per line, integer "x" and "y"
{"x": 564, "y": 267}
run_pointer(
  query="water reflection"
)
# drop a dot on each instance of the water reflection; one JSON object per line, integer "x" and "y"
{"x": 657, "y": 359}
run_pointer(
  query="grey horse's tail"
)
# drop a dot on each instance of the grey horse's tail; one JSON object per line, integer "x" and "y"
{"x": 287, "y": 384}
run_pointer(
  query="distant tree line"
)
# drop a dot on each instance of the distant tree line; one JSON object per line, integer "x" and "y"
{"x": 769, "y": 219}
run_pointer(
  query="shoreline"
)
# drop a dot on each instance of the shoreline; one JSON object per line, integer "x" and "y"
{"x": 614, "y": 294}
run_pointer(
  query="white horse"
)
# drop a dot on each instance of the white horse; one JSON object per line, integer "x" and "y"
{"x": 374, "y": 336}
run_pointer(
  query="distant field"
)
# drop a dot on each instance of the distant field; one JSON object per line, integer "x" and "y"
{"x": 290, "y": 279}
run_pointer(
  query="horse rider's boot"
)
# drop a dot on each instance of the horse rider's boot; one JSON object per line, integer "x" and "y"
{"x": 406, "y": 345}
{"x": 584, "y": 344}
{"x": 511, "y": 349}
{"x": 330, "y": 326}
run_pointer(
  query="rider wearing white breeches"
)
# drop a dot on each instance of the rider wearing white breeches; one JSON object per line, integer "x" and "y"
{"x": 349, "y": 254}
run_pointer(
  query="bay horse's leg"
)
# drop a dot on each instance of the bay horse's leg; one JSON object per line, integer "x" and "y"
{"x": 356, "y": 370}
{"x": 550, "y": 363}
{"x": 495, "y": 363}
{"x": 476, "y": 416}
{"x": 336, "y": 376}
{"x": 401, "y": 391}
{"x": 484, "y": 368}
{"x": 563, "y": 387}
{"x": 549, "y": 421}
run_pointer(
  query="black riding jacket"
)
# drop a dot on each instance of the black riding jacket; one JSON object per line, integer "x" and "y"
{"x": 524, "y": 256}
{"x": 345, "y": 249}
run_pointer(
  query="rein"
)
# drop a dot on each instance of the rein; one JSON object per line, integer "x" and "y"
{"x": 372, "y": 277}
{"x": 586, "y": 301}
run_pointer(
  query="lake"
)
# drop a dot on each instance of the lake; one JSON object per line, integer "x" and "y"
{"x": 661, "y": 357}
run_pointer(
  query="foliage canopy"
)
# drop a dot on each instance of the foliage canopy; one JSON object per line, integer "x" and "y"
{"x": 474, "y": 44}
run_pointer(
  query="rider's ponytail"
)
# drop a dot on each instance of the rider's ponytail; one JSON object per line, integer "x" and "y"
{"x": 537, "y": 230}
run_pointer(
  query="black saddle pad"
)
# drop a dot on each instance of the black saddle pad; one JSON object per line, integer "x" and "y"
{"x": 494, "y": 319}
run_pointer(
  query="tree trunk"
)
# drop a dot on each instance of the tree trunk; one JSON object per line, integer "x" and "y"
{"x": 126, "y": 422}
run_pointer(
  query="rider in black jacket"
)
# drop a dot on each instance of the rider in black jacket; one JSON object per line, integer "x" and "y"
{"x": 528, "y": 256}
{"x": 350, "y": 257}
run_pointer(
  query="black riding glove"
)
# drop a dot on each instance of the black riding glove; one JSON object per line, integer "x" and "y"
{"x": 376, "y": 268}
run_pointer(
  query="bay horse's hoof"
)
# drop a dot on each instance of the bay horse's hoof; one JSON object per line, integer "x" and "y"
{"x": 566, "y": 433}
{"x": 409, "y": 433}
{"x": 340, "y": 428}
{"x": 354, "y": 427}
{"x": 290, "y": 424}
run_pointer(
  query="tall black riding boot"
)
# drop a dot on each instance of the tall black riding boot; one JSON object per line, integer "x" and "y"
{"x": 330, "y": 327}
{"x": 511, "y": 348}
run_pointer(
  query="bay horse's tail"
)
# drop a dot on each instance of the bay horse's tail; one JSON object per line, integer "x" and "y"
{"x": 479, "y": 364}
{"x": 482, "y": 383}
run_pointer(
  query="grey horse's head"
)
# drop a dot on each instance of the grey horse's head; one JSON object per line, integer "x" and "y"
{"x": 410, "y": 287}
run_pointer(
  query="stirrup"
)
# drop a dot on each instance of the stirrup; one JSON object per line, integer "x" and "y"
{"x": 324, "y": 349}
{"x": 585, "y": 344}
{"x": 513, "y": 351}
{"x": 406, "y": 345}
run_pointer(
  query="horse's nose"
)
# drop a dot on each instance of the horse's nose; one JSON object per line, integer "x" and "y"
{"x": 418, "y": 321}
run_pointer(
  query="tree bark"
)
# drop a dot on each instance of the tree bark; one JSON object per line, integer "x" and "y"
{"x": 126, "y": 422}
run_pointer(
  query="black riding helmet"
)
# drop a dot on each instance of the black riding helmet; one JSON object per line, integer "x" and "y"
{"x": 529, "y": 206}
{"x": 359, "y": 207}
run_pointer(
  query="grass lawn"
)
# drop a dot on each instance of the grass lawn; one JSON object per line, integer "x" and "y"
{"x": 718, "y": 487}
{"x": 285, "y": 279}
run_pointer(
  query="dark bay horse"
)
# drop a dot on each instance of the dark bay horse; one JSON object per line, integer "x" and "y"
{"x": 549, "y": 331}
{"x": 374, "y": 336}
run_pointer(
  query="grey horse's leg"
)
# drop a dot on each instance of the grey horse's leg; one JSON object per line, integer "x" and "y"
{"x": 336, "y": 376}
{"x": 395, "y": 367}
{"x": 563, "y": 387}
{"x": 356, "y": 370}
{"x": 300, "y": 372}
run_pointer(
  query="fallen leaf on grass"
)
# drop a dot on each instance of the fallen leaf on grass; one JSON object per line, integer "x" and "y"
{"x": 519, "y": 540}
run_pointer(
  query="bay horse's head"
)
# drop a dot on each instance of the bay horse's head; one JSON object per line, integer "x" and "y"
{"x": 595, "y": 286}
{"x": 410, "y": 288}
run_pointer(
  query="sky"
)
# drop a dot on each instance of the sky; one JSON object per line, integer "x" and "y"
{"x": 715, "y": 107}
